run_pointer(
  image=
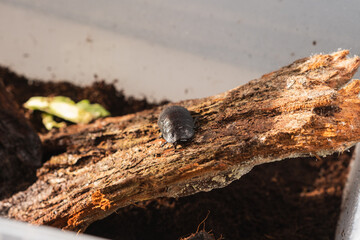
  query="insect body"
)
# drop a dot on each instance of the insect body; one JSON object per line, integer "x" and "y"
{"x": 176, "y": 124}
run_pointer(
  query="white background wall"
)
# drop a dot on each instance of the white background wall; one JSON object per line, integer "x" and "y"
{"x": 170, "y": 49}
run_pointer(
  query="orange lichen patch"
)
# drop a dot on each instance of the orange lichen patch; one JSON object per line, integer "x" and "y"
{"x": 99, "y": 201}
{"x": 74, "y": 220}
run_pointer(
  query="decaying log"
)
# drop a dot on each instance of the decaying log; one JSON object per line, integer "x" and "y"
{"x": 20, "y": 146}
{"x": 309, "y": 108}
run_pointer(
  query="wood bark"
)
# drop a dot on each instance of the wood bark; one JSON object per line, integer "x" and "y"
{"x": 309, "y": 108}
{"x": 20, "y": 146}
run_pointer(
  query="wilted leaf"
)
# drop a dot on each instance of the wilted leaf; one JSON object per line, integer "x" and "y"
{"x": 65, "y": 108}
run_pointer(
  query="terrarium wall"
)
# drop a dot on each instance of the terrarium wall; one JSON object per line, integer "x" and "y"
{"x": 170, "y": 49}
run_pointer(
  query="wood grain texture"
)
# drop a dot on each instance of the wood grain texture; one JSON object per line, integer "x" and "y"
{"x": 309, "y": 108}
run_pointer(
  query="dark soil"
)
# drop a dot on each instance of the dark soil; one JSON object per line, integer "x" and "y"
{"x": 99, "y": 92}
{"x": 292, "y": 199}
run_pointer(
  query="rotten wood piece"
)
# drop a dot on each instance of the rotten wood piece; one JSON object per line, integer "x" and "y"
{"x": 20, "y": 146}
{"x": 309, "y": 108}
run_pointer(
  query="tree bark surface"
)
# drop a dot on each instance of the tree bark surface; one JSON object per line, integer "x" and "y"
{"x": 309, "y": 108}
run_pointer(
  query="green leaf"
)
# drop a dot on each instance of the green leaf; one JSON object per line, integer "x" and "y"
{"x": 50, "y": 123}
{"x": 95, "y": 109}
{"x": 65, "y": 108}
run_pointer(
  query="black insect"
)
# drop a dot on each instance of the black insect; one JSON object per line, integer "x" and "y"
{"x": 176, "y": 125}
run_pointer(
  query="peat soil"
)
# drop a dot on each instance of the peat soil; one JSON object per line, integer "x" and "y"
{"x": 291, "y": 199}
